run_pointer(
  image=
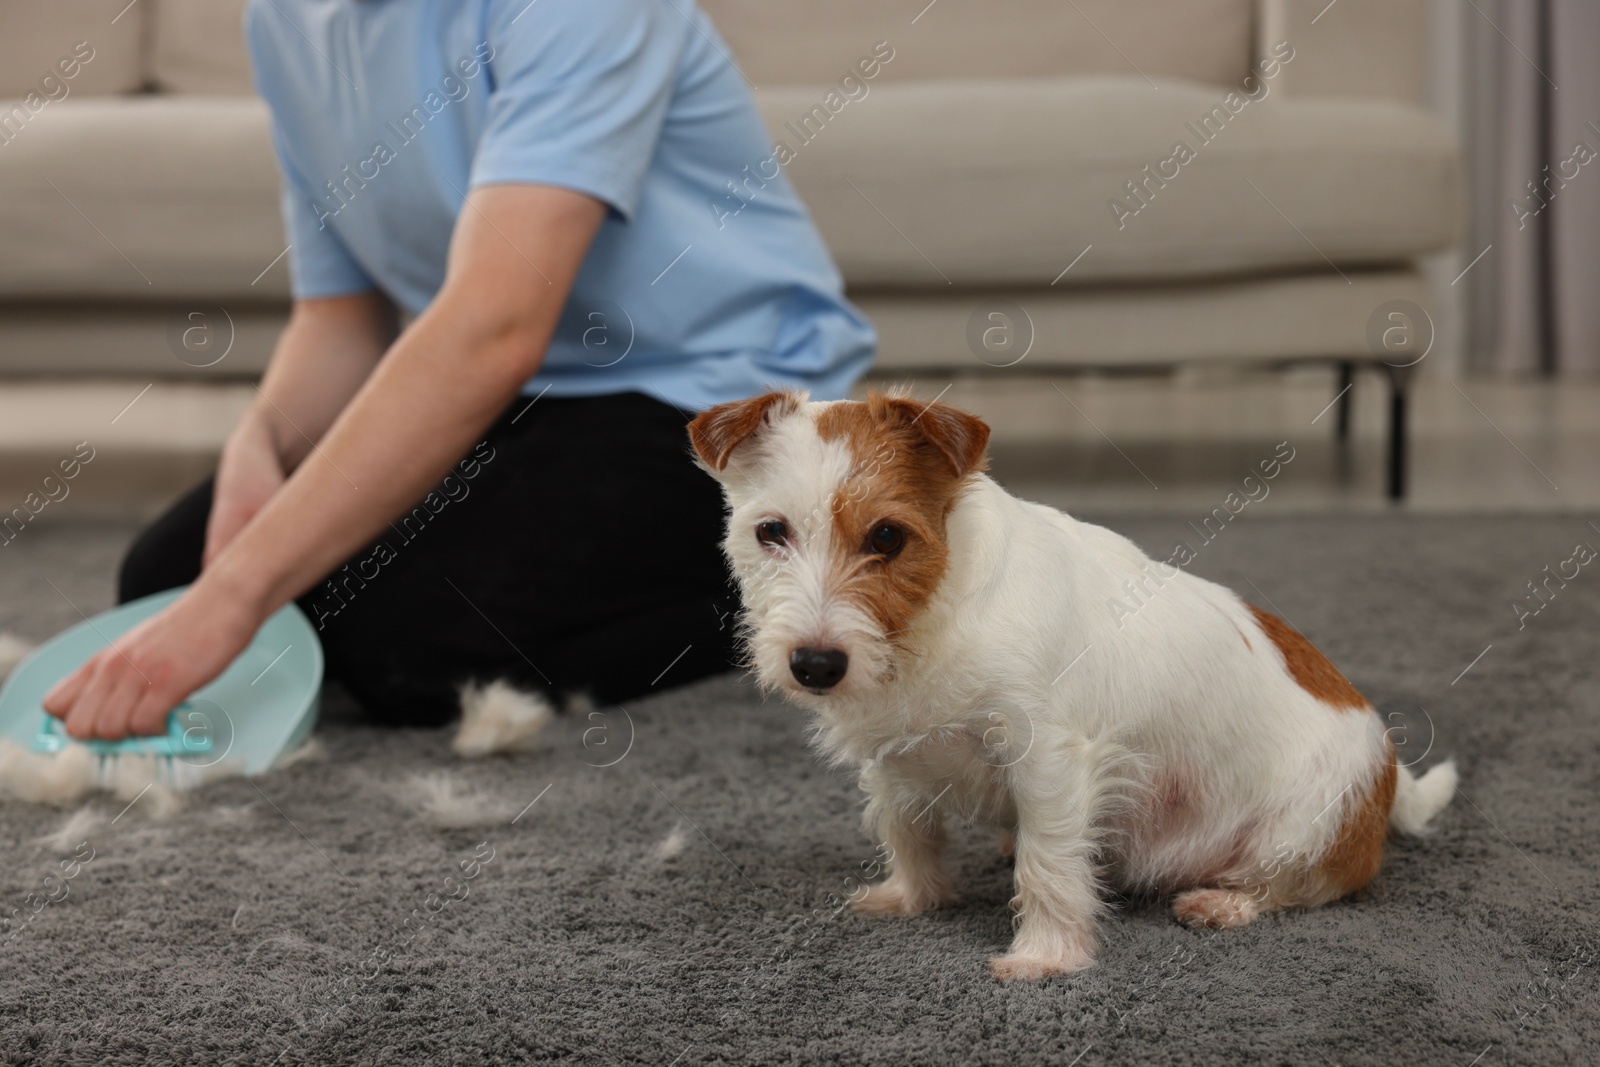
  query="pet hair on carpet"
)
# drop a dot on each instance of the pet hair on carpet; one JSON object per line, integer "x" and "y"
{"x": 446, "y": 804}
{"x": 312, "y": 751}
{"x": 673, "y": 844}
{"x": 499, "y": 718}
{"x": 133, "y": 778}
{"x": 55, "y": 779}
{"x": 78, "y": 827}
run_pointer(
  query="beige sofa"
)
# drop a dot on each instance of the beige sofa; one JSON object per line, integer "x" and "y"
{"x": 1005, "y": 194}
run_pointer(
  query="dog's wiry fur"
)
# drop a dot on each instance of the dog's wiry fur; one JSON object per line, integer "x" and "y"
{"x": 1200, "y": 747}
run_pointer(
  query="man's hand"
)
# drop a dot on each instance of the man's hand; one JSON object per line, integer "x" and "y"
{"x": 130, "y": 687}
{"x": 514, "y": 254}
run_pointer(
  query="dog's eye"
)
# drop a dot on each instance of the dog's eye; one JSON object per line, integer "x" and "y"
{"x": 886, "y": 539}
{"x": 772, "y": 532}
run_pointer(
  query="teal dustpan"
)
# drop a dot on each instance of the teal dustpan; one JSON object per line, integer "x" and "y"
{"x": 263, "y": 706}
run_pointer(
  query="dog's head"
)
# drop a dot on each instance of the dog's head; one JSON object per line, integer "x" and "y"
{"x": 836, "y": 526}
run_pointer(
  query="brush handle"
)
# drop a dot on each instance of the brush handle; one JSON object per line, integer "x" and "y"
{"x": 179, "y": 740}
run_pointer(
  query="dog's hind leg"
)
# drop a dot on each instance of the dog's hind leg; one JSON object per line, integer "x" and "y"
{"x": 914, "y": 833}
{"x": 1217, "y": 908}
{"x": 1347, "y": 862}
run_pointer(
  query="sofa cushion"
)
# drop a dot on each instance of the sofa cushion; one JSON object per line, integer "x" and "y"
{"x": 1312, "y": 315}
{"x": 147, "y": 197}
{"x": 779, "y": 42}
{"x": 40, "y": 34}
{"x": 916, "y": 184}
{"x": 1007, "y": 182}
{"x": 197, "y": 46}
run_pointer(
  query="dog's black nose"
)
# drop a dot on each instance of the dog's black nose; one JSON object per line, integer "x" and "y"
{"x": 818, "y": 668}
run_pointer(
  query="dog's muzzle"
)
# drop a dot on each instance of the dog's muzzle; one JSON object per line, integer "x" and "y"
{"x": 818, "y": 668}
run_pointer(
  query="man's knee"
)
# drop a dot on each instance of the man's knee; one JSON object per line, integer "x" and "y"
{"x": 167, "y": 553}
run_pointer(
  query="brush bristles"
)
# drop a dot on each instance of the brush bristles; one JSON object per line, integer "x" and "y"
{"x": 120, "y": 774}
{"x": 66, "y": 777}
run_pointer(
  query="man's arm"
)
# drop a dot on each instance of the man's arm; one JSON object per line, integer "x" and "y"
{"x": 325, "y": 353}
{"x": 513, "y": 256}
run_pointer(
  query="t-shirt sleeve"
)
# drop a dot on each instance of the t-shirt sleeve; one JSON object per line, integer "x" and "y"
{"x": 580, "y": 92}
{"x": 319, "y": 263}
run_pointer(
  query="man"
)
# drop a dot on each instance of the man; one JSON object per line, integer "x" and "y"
{"x": 538, "y": 191}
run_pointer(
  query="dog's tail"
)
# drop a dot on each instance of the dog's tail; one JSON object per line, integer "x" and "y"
{"x": 1418, "y": 800}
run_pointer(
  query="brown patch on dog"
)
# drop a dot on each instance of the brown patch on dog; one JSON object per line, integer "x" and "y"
{"x": 717, "y": 431}
{"x": 1171, "y": 789}
{"x": 1179, "y": 814}
{"x": 1355, "y": 856}
{"x": 911, "y": 461}
{"x": 1309, "y": 667}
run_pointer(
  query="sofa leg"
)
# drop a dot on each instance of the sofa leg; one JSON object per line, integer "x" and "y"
{"x": 1347, "y": 381}
{"x": 1398, "y": 380}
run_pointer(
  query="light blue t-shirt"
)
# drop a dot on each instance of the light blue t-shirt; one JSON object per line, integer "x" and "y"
{"x": 707, "y": 281}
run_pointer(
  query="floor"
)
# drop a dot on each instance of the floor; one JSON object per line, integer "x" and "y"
{"x": 682, "y": 903}
{"x": 666, "y": 884}
{"x": 1095, "y": 445}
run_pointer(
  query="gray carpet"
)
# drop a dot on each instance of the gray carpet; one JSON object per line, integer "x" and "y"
{"x": 653, "y": 912}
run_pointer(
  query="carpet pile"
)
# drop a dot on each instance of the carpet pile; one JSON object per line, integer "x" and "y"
{"x": 657, "y": 884}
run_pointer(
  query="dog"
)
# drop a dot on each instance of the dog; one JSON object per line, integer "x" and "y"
{"x": 959, "y": 646}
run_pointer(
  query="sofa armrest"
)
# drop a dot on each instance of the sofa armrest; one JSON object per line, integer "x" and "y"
{"x": 1364, "y": 48}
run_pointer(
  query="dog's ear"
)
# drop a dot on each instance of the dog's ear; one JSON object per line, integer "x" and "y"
{"x": 716, "y": 432}
{"x": 962, "y": 438}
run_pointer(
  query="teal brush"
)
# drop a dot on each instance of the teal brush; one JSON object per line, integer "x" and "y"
{"x": 179, "y": 758}
{"x": 262, "y": 707}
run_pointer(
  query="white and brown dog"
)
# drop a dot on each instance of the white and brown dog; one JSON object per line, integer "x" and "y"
{"x": 958, "y": 645}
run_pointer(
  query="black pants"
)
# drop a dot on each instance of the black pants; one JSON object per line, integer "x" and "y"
{"x": 576, "y": 549}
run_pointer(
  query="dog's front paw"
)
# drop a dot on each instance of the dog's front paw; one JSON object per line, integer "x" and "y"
{"x": 1022, "y": 967}
{"x": 1041, "y": 950}
{"x": 899, "y": 896}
